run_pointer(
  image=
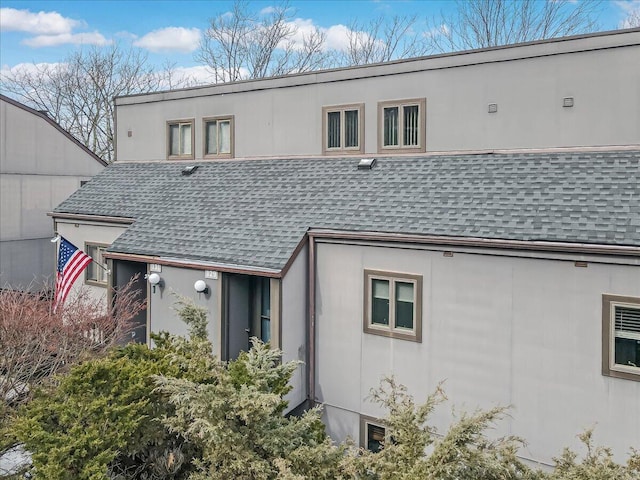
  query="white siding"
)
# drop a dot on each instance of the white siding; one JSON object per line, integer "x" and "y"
{"x": 498, "y": 330}
{"x": 283, "y": 116}
{"x": 293, "y": 325}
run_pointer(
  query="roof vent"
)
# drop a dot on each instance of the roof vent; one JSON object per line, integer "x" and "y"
{"x": 366, "y": 163}
{"x": 186, "y": 171}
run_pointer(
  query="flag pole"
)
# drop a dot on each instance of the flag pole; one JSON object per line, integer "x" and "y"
{"x": 57, "y": 238}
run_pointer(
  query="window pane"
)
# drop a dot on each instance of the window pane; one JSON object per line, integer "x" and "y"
{"x": 265, "y": 330}
{"x": 380, "y": 302}
{"x": 390, "y": 126}
{"x": 101, "y": 272}
{"x": 174, "y": 139}
{"x": 333, "y": 130}
{"x": 351, "y": 128}
{"x": 627, "y": 352}
{"x": 411, "y": 125}
{"x": 212, "y": 138}
{"x": 91, "y": 268}
{"x": 265, "y": 298}
{"x": 375, "y": 437}
{"x": 404, "y": 305}
{"x": 185, "y": 139}
{"x": 225, "y": 136}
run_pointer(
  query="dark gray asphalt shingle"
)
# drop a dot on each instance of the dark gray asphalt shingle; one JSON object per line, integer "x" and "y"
{"x": 254, "y": 212}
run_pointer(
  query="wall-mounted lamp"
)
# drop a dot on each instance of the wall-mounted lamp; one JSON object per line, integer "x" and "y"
{"x": 201, "y": 287}
{"x": 154, "y": 280}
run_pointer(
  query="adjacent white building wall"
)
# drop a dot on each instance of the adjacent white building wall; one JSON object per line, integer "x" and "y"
{"x": 40, "y": 166}
{"x": 498, "y": 330}
{"x": 293, "y": 325}
{"x": 283, "y": 116}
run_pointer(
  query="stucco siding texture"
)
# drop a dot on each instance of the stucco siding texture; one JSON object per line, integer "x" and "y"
{"x": 255, "y": 212}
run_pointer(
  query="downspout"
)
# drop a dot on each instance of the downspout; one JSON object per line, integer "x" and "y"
{"x": 311, "y": 325}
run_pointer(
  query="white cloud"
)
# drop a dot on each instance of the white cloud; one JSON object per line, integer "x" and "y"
{"x": 267, "y": 10}
{"x": 29, "y": 69}
{"x": 89, "y": 38}
{"x": 168, "y": 39}
{"x": 41, "y": 23}
{"x": 338, "y": 37}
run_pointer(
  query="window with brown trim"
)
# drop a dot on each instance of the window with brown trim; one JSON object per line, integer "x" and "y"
{"x": 343, "y": 129}
{"x": 393, "y": 305}
{"x": 401, "y": 126}
{"x": 621, "y": 337}
{"x": 180, "y": 139}
{"x": 218, "y": 137}
{"x": 94, "y": 274}
{"x": 372, "y": 434}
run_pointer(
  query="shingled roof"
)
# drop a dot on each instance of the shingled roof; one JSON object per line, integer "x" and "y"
{"x": 255, "y": 212}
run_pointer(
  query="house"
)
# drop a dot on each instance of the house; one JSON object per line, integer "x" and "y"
{"x": 41, "y": 164}
{"x": 472, "y": 217}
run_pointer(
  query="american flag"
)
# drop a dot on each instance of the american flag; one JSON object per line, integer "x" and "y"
{"x": 71, "y": 263}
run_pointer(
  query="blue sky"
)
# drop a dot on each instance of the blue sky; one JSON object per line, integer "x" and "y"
{"x": 45, "y": 31}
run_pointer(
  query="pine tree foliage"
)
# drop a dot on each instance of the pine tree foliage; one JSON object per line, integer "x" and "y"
{"x": 238, "y": 425}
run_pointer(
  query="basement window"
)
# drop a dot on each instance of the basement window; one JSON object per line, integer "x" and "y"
{"x": 372, "y": 434}
{"x": 621, "y": 337}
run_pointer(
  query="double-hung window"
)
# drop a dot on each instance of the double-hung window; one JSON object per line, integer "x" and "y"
{"x": 218, "y": 137}
{"x": 96, "y": 273}
{"x": 180, "y": 138}
{"x": 621, "y": 336}
{"x": 393, "y": 305}
{"x": 343, "y": 129}
{"x": 402, "y": 126}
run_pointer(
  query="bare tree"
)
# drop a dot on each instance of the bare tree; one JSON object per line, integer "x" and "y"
{"x": 37, "y": 343}
{"x": 489, "y": 23}
{"x": 632, "y": 20}
{"x": 383, "y": 39}
{"x": 78, "y": 92}
{"x": 244, "y": 44}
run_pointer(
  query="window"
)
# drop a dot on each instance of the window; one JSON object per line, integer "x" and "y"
{"x": 372, "y": 434}
{"x": 621, "y": 337}
{"x": 180, "y": 139}
{"x": 393, "y": 305}
{"x": 402, "y": 126}
{"x": 218, "y": 137}
{"x": 96, "y": 272}
{"x": 265, "y": 309}
{"x": 343, "y": 129}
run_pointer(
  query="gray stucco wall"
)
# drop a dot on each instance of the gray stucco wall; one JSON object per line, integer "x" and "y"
{"x": 284, "y": 116}
{"x": 179, "y": 282}
{"x": 39, "y": 168}
{"x": 498, "y": 330}
{"x": 293, "y": 325}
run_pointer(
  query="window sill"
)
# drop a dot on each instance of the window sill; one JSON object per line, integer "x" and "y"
{"x": 397, "y": 334}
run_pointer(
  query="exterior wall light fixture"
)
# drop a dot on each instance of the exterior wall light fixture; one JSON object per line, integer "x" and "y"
{"x": 201, "y": 287}
{"x": 155, "y": 281}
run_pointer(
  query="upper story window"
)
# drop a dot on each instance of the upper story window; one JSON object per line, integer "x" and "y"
{"x": 180, "y": 138}
{"x": 621, "y": 337}
{"x": 343, "y": 129}
{"x": 402, "y": 126}
{"x": 218, "y": 137}
{"x": 96, "y": 273}
{"x": 393, "y": 305}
